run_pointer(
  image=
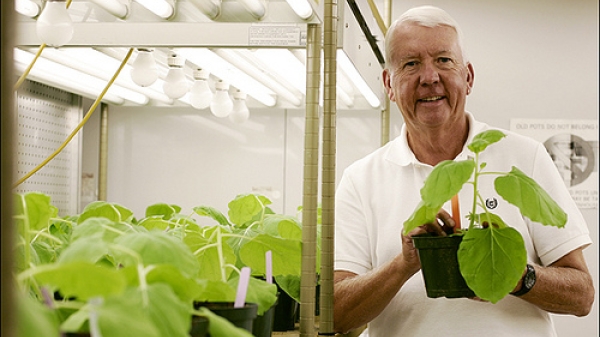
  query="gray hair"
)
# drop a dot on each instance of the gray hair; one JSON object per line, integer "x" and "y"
{"x": 428, "y": 16}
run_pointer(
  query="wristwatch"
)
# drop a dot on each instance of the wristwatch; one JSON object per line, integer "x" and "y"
{"x": 528, "y": 281}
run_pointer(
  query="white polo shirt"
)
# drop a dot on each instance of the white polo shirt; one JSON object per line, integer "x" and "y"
{"x": 379, "y": 192}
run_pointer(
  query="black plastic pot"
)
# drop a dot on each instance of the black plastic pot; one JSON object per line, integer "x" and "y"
{"x": 263, "y": 324}
{"x": 439, "y": 266}
{"x": 199, "y": 326}
{"x": 284, "y": 316}
{"x": 241, "y": 317}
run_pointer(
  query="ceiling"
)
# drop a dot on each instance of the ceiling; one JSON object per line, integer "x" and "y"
{"x": 258, "y": 47}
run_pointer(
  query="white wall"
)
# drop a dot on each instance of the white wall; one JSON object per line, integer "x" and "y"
{"x": 532, "y": 59}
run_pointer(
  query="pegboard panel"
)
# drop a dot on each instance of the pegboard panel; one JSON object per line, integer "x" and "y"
{"x": 46, "y": 116}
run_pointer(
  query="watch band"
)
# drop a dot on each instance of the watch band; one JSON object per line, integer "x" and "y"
{"x": 527, "y": 282}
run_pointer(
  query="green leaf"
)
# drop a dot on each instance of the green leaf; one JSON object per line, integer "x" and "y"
{"x": 484, "y": 139}
{"x": 82, "y": 280}
{"x": 185, "y": 288}
{"x": 34, "y": 319}
{"x": 205, "y": 249}
{"x": 163, "y": 210}
{"x": 290, "y": 284}
{"x": 35, "y": 208}
{"x": 492, "y": 261}
{"x": 212, "y": 213}
{"x": 86, "y": 249}
{"x": 446, "y": 180}
{"x": 150, "y": 311}
{"x": 157, "y": 248}
{"x": 215, "y": 291}
{"x": 246, "y": 207}
{"x": 221, "y": 327}
{"x": 155, "y": 222}
{"x": 286, "y": 255}
{"x": 103, "y": 209}
{"x": 484, "y": 219}
{"x": 423, "y": 214}
{"x": 259, "y": 292}
{"x": 284, "y": 226}
{"x": 102, "y": 228}
{"x": 531, "y": 199}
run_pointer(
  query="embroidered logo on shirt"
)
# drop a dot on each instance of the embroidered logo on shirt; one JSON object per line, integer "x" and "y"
{"x": 491, "y": 203}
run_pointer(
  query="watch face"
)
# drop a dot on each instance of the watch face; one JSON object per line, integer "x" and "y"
{"x": 529, "y": 280}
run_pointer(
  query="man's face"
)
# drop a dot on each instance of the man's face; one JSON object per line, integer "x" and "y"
{"x": 427, "y": 76}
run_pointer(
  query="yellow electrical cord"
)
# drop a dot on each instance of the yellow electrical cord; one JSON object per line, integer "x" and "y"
{"x": 83, "y": 121}
{"x": 377, "y": 17}
{"x": 24, "y": 76}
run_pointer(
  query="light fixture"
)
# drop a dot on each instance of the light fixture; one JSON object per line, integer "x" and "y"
{"x": 144, "y": 71}
{"x": 118, "y": 8}
{"x": 207, "y": 59}
{"x": 262, "y": 72}
{"x": 240, "y": 112}
{"x": 302, "y": 8}
{"x": 256, "y": 8}
{"x": 27, "y": 8}
{"x": 210, "y": 8}
{"x": 352, "y": 73}
{"x": 221, "y": 104}
{"x": 65, "y": 78}
{"x": 96, "y": 63}
{"x": 176, "y": 85}
{"x": 200, "y": 94}
{"x": 54, "y": 25}
{"x": 163, "y": 8}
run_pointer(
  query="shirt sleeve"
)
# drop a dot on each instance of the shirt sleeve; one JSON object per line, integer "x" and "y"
{"x": 352, "y": 245}
{"x": 552, "y": 243}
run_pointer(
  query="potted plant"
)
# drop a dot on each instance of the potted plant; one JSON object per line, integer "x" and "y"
{"x": 252, "y": 229}
{"x": 104, "y": 271}
{"x": 491, "y": 255}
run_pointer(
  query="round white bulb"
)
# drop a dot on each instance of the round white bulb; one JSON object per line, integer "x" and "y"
{"x": 144, "y": 71}
{"x": 54, "y": 25}
{"x": 240, "y": 112}
{"x": 221, "y": 105}
{"x": 200, "y": 94}
{"x": 176, "y": 85}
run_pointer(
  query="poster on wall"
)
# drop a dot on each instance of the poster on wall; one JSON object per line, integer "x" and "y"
{"x": 573, "y": 145}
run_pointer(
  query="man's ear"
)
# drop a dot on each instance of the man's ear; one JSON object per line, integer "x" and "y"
{"x": 470, "y": 76}
{"x": 387, "y": 78}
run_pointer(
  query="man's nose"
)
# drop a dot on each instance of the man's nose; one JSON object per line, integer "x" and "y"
{"x": 429, "y": 73}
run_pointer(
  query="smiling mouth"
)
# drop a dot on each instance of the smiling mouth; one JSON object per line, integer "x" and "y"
{"x": 431, "y": 99}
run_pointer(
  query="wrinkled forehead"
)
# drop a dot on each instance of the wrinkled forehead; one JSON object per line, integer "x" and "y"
{"x": 411, "y": 39}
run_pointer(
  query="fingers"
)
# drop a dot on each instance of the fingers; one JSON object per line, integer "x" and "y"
{"x": 443, "y": 226}
{"x": 447, "y": 221}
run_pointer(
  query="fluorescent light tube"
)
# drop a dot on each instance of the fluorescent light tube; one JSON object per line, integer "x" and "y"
{"x": 27, "y": 8}
{"x": 163, "y": 8}
{"x": 251, "y": 65}
{"x": 59, "y": 77}
{"x": 115, "y": 7}
{"x": 302, "y": 8}
{"x": 210, "y": 8}
{"x": 206, "y": 59}
{"x": 75, "y": 81}
{"x": 102, "y": 66}
{"x": 350, "y": 70}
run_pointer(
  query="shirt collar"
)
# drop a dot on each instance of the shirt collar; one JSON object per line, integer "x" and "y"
{"x": 400, "y": 153}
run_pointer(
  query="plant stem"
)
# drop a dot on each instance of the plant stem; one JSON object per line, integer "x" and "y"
{"x": 475, "y": 191}
{"x": 220, "y": 254}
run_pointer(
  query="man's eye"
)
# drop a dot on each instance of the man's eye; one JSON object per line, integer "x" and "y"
{"x": 410, "y": 64}
{"x": 445, "y": 60}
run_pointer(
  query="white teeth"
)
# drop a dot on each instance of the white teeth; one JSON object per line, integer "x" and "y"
{"x": 430, "y": 99}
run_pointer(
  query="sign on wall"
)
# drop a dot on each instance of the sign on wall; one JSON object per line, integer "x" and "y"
{"x": 573, "y": 145}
